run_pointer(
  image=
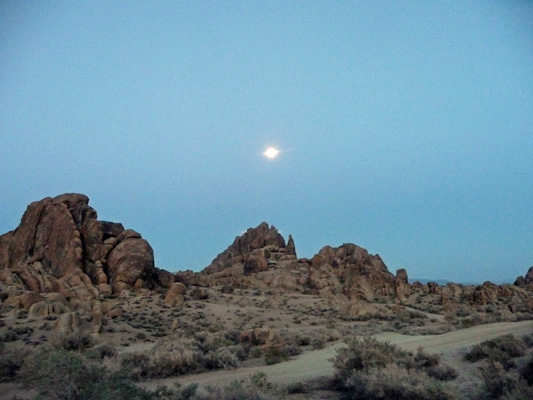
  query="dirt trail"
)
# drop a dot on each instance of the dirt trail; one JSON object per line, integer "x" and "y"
{"x": 316, "y": 364}
{"x": 457, "y": 340}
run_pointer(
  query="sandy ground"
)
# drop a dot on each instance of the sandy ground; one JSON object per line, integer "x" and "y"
{"x": 318, "y": 363}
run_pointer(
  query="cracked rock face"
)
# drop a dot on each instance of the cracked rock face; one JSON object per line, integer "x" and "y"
{"x": 61, "y": 246}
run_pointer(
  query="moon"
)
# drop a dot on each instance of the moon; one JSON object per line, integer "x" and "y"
{"x": 271, "y": 153}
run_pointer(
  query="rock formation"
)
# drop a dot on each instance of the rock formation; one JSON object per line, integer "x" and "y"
{"x": 352, "y": 271}
{"x": 263, "y": 241}
{"x": 522, "y": 281}
{"x": 261, "y": 260}
{"x": 61, "y": 246}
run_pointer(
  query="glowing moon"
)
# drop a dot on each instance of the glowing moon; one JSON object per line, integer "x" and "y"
{"x": 271, "y": 153}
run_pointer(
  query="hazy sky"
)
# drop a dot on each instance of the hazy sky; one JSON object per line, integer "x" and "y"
{"x": 405, "y": 127}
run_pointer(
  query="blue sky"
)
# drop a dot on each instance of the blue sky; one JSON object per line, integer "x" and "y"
{"x": 404, "y": 127}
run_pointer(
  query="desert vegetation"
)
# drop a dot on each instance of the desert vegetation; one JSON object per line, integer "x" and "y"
{"x": 370, "y": 369}
{"x": 104, "y": 322}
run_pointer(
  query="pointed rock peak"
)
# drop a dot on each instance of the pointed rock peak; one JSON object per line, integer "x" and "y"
{"x": 291, "y": 248}
{"x": 263, "y": 240}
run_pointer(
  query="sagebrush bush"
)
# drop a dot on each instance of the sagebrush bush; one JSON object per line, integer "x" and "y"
{"x": 370, "y": 369}
{"x": 275, "y": 355}
{"x": 395, "y": 383}
{"x": 63, "y": 375}
{"x": 76, "y": 341}
{"x": 496, "y": 381}
{"x": 318, "y": 342}
{"x": 255, "y": 387}
{"x": 527, "y": 371}
{"x": 10, "y": 363}
{"x": 101, "y": 352}
{"x": 174, "y": 357}
{"x": 370, "y": 353}
{"x": 501, "y": 349}
{"x": 426, "y": 360}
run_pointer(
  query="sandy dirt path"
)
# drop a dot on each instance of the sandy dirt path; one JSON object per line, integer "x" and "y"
{"x": 317, "y": 364}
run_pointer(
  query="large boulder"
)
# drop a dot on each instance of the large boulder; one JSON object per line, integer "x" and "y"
{"x": 175, "y": 294}
{"x": 61, "y": 246}
{"x": 130, "y": 260}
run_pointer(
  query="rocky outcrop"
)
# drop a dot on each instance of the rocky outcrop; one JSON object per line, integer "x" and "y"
{"x": 523, "y": 281}
{"x": 61, "y": 246}
{"x": 352, "y": 271}
{"x": 401, "y": 285}
{"x": 260, "y": 260}
{"x": 264, "y": 241}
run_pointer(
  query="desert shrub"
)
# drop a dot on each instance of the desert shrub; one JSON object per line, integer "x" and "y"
{"x": 369, "y": 353}
{"x": 232, "y": 335}
{"x": 63, "y": 375}
{"x": 511, "y": 345}
{"x": 76, "y": 341}
{"x": 208, "y": 341}
{"x": 318, "y": 342}
{"x": 527, "y": 371}
{"x": 255, "y": 387}
{"x": 179, "y": 357}
{"x": 275, "y": 355}
{"x": 442, "y": 372}
{"x": 9, "y": 336}
{"x": 394, "y": 382}
{"x": 256, "y": 352}
{"x": 292, "y": 349}
{"x": 371, "y": 369}
{"x": 426, "y": 360}
{"x": 501, "y": 349}
{"x": 521, "y": 391}
{"x": 10, "y": 363}
{"x": 496, "y": 381}
{"x": 178, "y": 360}
{"x": 241, "y": 351}
{"x": 294, "y": 388}
{"x": 473, "y": 320}
{"x": 221, "y": 359}
{"x": 166, "y": 393}
{"x": 304, "y": 340}
{"x": 528, "y": 340}
{"x": 101, "y": 352}
{"x": 136, "y": 365}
